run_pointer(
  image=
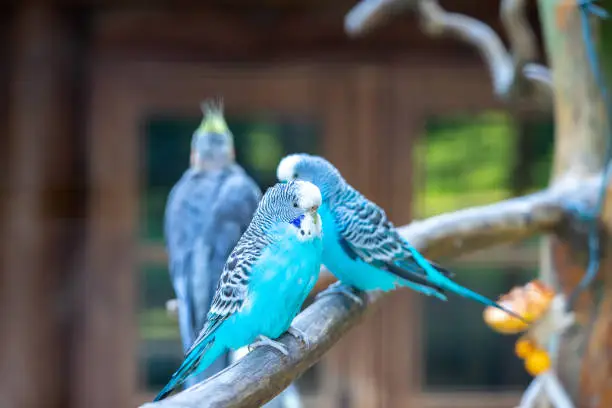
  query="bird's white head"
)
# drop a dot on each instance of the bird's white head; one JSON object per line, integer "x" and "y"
{"x": 309, "y": 196}
{"x": 287, "y": 167}
{"x": 294, "y": 205}
{"x": 308, "y": 225}
{"x": 314, "y": 169}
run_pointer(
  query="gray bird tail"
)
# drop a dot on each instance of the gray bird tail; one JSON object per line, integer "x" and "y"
{"x": 186, "y": 319}
{"x": 440, "y": 279}
{"x": 185, "y": 313}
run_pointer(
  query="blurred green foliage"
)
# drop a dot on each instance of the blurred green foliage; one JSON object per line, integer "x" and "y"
{"x": 464, "y": 161}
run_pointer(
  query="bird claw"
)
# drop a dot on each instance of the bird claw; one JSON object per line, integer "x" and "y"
{"x": 266, "y": 341}
{"x": 340, "y": 288}
{"x": 300, "y": 335}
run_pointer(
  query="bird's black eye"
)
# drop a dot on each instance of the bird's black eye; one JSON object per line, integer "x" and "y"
{"x": 295, "y": 175}
{"x": 295, "y": 204}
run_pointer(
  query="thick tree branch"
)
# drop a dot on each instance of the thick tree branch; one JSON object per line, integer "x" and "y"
{"x": 263, "y": 373}
{"x": 513, "y": 76}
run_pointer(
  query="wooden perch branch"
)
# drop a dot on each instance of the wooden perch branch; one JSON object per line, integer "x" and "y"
{"x": 512, "y": 75}
{"x": 264, "y": 373}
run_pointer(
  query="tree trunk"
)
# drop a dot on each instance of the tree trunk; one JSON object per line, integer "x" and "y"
{"x": 585, "y": 358}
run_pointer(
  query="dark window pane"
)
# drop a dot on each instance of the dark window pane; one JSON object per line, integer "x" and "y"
{"x": 464, "y": 161}
{"x": 461, "y": 351}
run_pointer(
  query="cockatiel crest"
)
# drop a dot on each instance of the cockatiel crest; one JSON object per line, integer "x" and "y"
{"x": 213, "y": 120}
{"x": 212, "y": 145}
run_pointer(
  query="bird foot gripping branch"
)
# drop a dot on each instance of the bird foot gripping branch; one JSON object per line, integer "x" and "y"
{"x": 546, "y": 310}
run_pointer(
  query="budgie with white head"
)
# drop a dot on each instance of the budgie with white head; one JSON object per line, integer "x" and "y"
{"x": 361, "y": 246}
{"x": 265, "y": 280}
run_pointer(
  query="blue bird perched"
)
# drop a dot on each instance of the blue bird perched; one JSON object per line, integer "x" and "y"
{"x": 361, "y": 246}
{"x": 207, "y": 211}
{"x": 265, "y": 280}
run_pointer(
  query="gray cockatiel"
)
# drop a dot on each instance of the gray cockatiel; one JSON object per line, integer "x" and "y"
{"x": 207, "y": 211}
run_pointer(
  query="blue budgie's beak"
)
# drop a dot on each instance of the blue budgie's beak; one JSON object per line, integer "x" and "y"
{"x": 313, "y": 211}
{"x": 298, "y": 221}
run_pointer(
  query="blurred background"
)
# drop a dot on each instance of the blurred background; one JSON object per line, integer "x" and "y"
{"x": 98, "y": 104}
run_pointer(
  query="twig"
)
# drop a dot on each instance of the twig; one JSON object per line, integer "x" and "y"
{"x": 523, "y": 47}
{"x": 521, "y": 37}
{"x": 368, "y": 14}
{"x": 437, "y": 21}
{"x": 263, "y": 373}
{"x": 512, "y": 75}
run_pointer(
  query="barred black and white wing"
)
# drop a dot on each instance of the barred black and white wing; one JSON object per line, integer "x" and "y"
{"x": 366, "y": 230}
{"x": 366, "y": 233}
{"x": 233, "y": 284}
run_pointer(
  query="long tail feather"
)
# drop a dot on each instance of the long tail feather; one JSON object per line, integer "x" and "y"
{"x": 198, "y": 358}
{"x": 470, "y": 294}
{"x": 439, "y": 279}
{"x": 426, "y": 290}
{"x": 443, "y": 271}
{"x": 416, "y": 280}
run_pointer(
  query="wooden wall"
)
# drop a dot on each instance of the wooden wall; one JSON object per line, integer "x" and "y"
{"x": 42, "y": 211}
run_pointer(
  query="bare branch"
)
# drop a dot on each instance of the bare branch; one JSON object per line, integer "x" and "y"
{"x": 369, "y": 14}
{"x": 263, "y": 373}
{"x": 541, "y": 77}
{"x": 521, "y": 37}
{"x": 437, "y": 21}
{"x": 512, "y": 75}
{"x": 523, "y": 47}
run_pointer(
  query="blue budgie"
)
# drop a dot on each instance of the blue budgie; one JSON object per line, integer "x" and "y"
{"x": 207, "y": 211}
{"x": 265, "y": 280}
{"x": 361, "y": 246}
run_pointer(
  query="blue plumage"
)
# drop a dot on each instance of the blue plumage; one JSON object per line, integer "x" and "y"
{"x": 265, "y": 280}
{"x": 361, "y": 246}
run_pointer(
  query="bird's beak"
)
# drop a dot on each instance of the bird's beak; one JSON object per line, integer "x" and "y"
{"x": 313, "y": 212}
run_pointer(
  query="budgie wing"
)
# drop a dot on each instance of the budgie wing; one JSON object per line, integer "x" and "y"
{"x": 232, "y": 287}
{"x": 231, "y": 213}
{"x": 367, "y": 233}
